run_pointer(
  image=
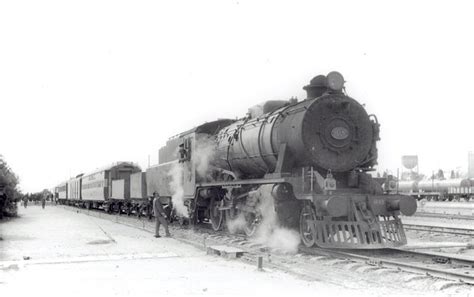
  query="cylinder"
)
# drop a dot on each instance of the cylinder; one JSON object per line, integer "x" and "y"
{"x": 282, "y": 191}
{"x": 335, "y": 206}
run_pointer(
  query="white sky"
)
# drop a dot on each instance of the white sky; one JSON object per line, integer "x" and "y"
{"x": 87, "y": 83}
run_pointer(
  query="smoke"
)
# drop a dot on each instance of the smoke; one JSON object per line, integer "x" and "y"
{"x": 203, "y": 155}
{"x": 176, "y": 187}
{"x": 237, "y": 224}
{"x": 269, "y": 232}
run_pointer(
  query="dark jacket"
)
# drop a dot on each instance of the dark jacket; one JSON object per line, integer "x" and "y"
{"x": 158, "y": 208}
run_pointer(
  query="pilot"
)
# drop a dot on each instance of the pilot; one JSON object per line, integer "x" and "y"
{"x": 160, "y": 216}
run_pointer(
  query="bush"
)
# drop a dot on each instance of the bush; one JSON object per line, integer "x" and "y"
{"x": 9, "y": 193}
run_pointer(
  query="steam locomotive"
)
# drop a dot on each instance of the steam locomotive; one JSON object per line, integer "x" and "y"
{"x": 306, "y": 161}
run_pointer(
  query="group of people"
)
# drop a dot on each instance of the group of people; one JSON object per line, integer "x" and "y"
{"x": 43, "y": 202}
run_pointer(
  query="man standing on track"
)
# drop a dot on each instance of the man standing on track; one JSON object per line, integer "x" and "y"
{"x": 160, "y": 216}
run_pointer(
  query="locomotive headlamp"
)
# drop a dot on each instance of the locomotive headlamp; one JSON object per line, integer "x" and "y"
{"x": 335, "y": 81}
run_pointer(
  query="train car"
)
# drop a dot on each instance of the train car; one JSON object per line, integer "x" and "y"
{"x": 61, "y": 192}
{"x": 109, "y": 187}
{"x": 138, "y": 188}
{"x": 306, "y": 161}
{"x": 138, "y": 195}
{"x": 407, "y": 186}
{"x": 74, "y": 190}
{"x": 439, "y": 190}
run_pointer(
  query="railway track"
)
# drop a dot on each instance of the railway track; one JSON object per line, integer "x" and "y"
{"x": 440, "y": 229}
{"x": 443, "y": 216}
{"x": 426, "y": 265}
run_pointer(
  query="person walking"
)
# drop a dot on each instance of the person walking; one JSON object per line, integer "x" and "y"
{"x": 160, "y": 216}
{"x": 43, "y": 201}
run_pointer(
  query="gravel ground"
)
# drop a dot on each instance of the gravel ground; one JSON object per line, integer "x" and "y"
{"x": 423, "y": 238}
{"x": 75, "y": 254}
{"x": 98, "y": 257}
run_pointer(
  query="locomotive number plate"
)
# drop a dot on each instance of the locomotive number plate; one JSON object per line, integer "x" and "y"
{"x": 339, "y": 133}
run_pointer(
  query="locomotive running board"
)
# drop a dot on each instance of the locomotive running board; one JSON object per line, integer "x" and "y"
{"x": 359, "y": 235}
{"x": 237, "y": 183}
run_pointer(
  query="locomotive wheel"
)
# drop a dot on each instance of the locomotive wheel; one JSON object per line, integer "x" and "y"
{"x": 306, "y": 233}
{"x": 251, "y": 224}
{"x": 216, "y": 215}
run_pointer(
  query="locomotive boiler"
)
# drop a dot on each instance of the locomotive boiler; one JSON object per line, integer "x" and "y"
{"x": 311, "y": 159}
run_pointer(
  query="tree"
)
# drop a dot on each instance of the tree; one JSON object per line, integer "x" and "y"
{"x": 8, "y": 182}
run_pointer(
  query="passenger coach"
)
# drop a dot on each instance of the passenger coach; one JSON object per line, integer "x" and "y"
{"x": 107, "y": 188}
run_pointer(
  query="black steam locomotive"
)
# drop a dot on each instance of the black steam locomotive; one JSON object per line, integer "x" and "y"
{"x": 310, "y": 158}
{"x": 306, "y": 162}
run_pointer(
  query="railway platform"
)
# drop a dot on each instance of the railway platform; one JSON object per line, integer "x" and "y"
{"x": 59, "y": 252}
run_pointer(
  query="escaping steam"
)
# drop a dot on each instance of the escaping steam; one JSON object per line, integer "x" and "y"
{"x": 269, "y": 232}
{"x": 203, "y": 155}
{"x": 176, "y": 187}
{"x": 237, "y": 224}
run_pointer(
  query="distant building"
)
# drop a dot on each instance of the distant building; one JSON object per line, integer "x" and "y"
{"x": 470, "y": 165}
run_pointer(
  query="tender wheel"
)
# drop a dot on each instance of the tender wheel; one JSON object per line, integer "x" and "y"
{"x": 216, "y": 215}
{"x": 306, "y": 233}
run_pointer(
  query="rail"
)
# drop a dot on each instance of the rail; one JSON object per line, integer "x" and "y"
{"x": 440, "y": 229}
{"x": 429, "y": 264}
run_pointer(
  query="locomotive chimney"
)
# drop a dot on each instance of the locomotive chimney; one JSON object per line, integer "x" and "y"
{"x": 316, "y": 88}
{"x": 333, "y": 82}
